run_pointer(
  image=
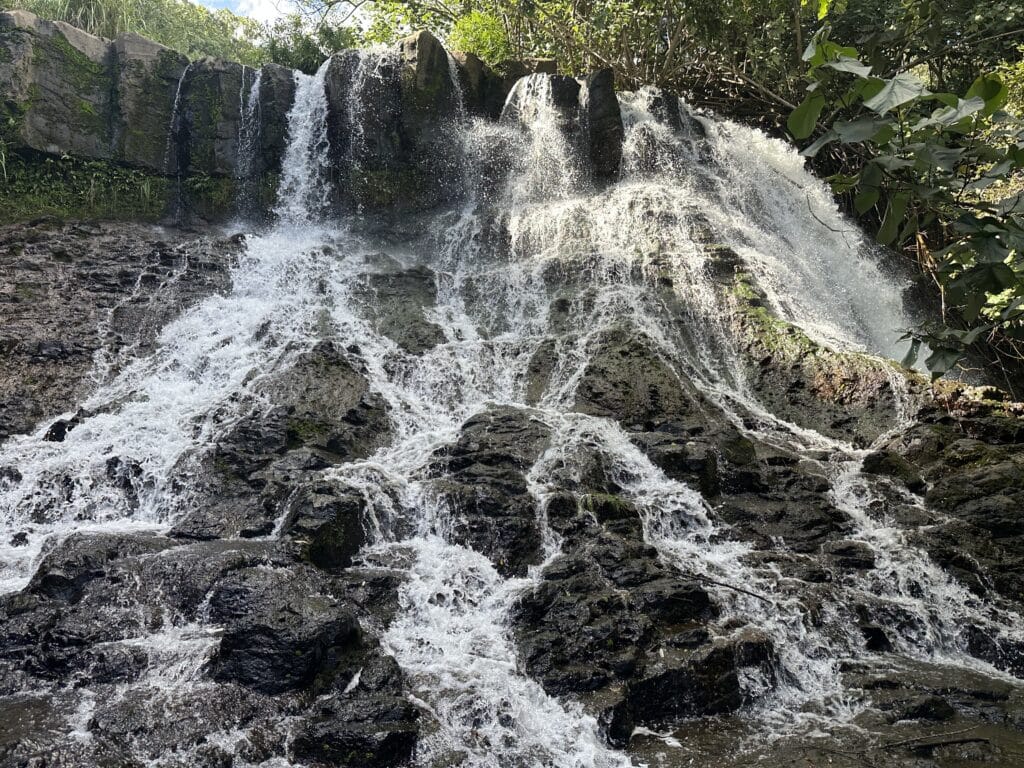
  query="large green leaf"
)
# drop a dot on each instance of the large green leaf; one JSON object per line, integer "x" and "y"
{"x": 964, "y": 109}
{"x": 866, "y": 200}
{"x": 802, "y": 120}
{"x": 851, "y": 65}
{"x": 896, "y": 92}
{"x": 861, "y": 129}
{"x": 941, "y": 360}
{"x": 991, "y": 90}
{"x": 894, "y": 214}
{"x": 818, "y": 145}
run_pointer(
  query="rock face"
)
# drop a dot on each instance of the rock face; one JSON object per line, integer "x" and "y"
{"x": 59, "y": 83}
{"x": 133, "y": 103}
{"x": 148, "y": 75}
{"x": 263, "y": 472}
{"x": 483, "y": 479}
{"x": 75, "y": 291}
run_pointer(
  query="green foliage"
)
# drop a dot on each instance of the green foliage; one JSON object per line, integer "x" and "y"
{"x": 923, "y": 158}
{"x": 292, "y": 42}
{"x": 483, "y": 34}
{"x": 187, "y": 27}
{"x": 40, "y": 185}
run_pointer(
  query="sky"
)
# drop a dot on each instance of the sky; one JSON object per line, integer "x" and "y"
{"x": 261, "y": 10}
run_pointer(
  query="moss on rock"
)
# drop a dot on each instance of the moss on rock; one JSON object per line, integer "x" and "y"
{"x": 849, "y": 395}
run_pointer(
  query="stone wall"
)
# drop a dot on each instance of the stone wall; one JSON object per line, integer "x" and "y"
{"x": 70, "y": 97}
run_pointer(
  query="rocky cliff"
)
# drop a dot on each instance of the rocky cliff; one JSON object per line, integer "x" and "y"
{"x": 175, "y": 137}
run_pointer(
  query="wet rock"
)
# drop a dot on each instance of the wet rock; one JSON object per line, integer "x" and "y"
{"x": 683, "y": 684}
{"x": 73, "y": 290}
{"x": 851, "y": 555}
{"x": 279, "y": 628}
{"x": 483, "y": 478}
{"x": 326, "y": 520}
{"x": 206, "y": 139}
{"x": 973, "y": 464}
{"x": 80, "y": 558}
{"x": 893, "y": 465}
{"x": 591, "y": 621}
{"x": 927, "y": 707}
{"x": 322, "y": 413}
{"x": 148, "y": 724}
{"x": 366, "y": 713}
{"x": 627, "y": 381}
{"x": 603, "y": 121}
{"x": 484, "y": 90}
{"x": 397, "y": 302}
{"x": 845, "y": 395}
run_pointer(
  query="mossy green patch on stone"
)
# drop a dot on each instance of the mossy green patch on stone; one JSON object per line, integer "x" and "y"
{"x": 209, "y": 197}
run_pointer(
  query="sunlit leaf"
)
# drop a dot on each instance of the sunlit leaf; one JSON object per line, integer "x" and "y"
{"x": 896, "y": 92}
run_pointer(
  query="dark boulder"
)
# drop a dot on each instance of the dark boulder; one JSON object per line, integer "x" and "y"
{"x": 891, "y": 464}
{"x": 603, "y": 120}
{"x": 589, "y": 622}
{"x": 325, "y": 519}
{"x": 627, "y": 381}
{"x": 276, "y": 96}
{"x": 397, "y": 301}
{"x": 280, "y": 628}
{"x": 364, "y": 718}
{"x": 484, "y": 90}
{"x": 67, "y": 568}
{"x": 482, "y": 476}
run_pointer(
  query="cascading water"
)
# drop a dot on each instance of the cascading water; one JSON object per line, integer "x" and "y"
{"x": 248, "y": 163}
{"x": 537, "y": 259}
{"x": 304, "y": 194}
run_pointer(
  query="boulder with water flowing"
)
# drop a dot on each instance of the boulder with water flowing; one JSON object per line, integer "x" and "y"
{"x": 147, "y": 76}
{"x": 482, "y": 479}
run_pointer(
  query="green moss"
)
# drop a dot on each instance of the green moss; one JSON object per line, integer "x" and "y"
{"x": 12, "y": 116}
{"x": 38, "y": 185}
{"x": 81, "y": 71}
{"x": 605, "y": 507}
{"x": 384, "y": 187}
{"x": 302, "y": 432}
{"x": 833, "y": 376}
{"x": 210, "y": 197}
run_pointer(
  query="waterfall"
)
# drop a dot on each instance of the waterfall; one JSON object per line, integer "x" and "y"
{"x": 534, "y": 261}
{"x": 303, "y": 194}
{"x": 248, "y": 162}
{"x": 172, "y": 152}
